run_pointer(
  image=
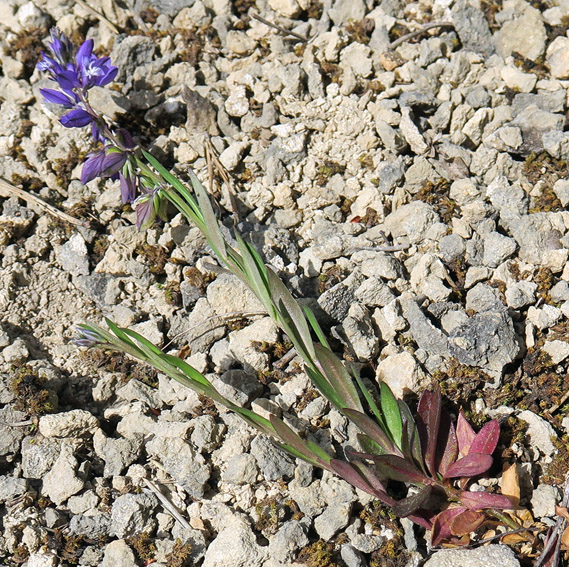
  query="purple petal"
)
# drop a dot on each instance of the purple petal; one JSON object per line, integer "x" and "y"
{"x": 128, "y": 188}
{"x": 85, "y": 51}
{"x": 57, "y": 97}
{"x": 126, "y": 139}
{"x": 93, "y": 166}
{"x": 145, "y": 213}
{"x": 76, "y": 118}
{"x": 108, "y": 76}
{"x": 113, "y": 162}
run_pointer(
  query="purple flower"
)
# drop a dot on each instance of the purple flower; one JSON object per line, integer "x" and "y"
{"x": 67, "y": 100}
{"x": 148, "y": 207}
{"x": 93, "y": 71}
{"x": 128, "y": 187}
{"x": 93, "y": 166}
{"x": 87, "y": 337}
{"x": 76, "y": 118}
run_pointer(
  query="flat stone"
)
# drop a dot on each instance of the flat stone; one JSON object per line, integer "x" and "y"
{"x": 490, "y": 555}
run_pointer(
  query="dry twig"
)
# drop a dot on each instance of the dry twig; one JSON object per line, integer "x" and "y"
{"x": 277, "y": 27}
{"x": 421, "y": 31}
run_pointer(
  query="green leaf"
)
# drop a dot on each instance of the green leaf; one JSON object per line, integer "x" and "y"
{"x": 323, "y": 386}
{"x": 369, "y": 445}
{"x": 316, "y": 327}
{"x": 406, "y": 506}
{"x": 288, "y": 306}
{"x": 391, "y": 414}
{"x": 395, "y": 468}
{"x": 369, "y": 399}
{"x": 338, "y": 377}
{"x": 372, "y": 430}
{"x": 412, "y": 435}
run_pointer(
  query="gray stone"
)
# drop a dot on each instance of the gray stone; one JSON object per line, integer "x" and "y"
{"x": 287, "y": 541}
{"x": 377, "y": 264}
{"x": 557, "y": 57}
{"x": 117, "y": 453}
{"x": 549, "y": 101}
{"x": 10, "y": 437}
{"x": 559, "y": 292}
{"x": 17, "y": 352}
{"x": 345, "y": 10}
{"x": 94, "y": 526}
{"x": 561, "y": 189}
{"x": 131, "y": 52}
{"x": 534, "y": 124}
{"x": 524, "y": 32}
{"x": 202, "y": 116}
{"x": 132, "y": 514}
{"x": 357, "y": 57}
{"x": 241, "y": 469}
{"x": 451, "y": 248}
{"x": 274, "y": 463}
{"x": 540, "y": 434}
{"x": 351, "y": 556}
{"x": 38, "y": 456}
{"x": 472, "y": 28}
{"x": 544, "y": 317}
{"x": 520, "y": 294}
{"x": 374, "y": 293}
{"x": 556, "y": 144}
{"x": 286, "y": 8}
{"x": 483, "y": 297}
{"x": 543, "y": 501}
{"x": 368, "y": 543}
{"x": 73, "y": 256}
{"x": 401, "y": 373}
{"x": 336, "y": 301}
{"x": 62, "y": 481}
{"x": 487, "y": 556}
{"x": 74, "y": 423}
{"x": 487, "y": 340}
{"x": 242, "y": 343}
{"x": 497, "y": 248}
{"x": 239, "y": 386}
{"x": 228, "y": 294}
{"x": 412, "y": 220}
{"x": 332, "y": 520}
{"x": 181, "y": 462}
{"x": 235, "y": 546}
{"x": 118, "y": 554}
{"x": 135, "y": 390}
{"x": 207, "y": 434}
{"x": 359, "y": 333}
{"x": 11, "y": 487}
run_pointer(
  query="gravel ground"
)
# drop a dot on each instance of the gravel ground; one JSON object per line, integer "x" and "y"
{"x": 402, "y": 165}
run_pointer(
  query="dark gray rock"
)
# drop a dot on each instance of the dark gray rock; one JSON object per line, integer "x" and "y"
{"x": 241, "y": 469}
{"x": 132, "y": 514}
{"x": 490, "y": 555}
{"x": 427, "y": 337}
{"x": 11, "y": 487}
{"x": 287, "y": 541}
{"x": 38, "y": 456}
{"x": 91, "y": 526}
{"x": 130, "y": 52}
{"x": 201, "y": 113}
{"x": 274, "y": 463}
{"x": 117, "y": 453}
{"x": 239, "y": 386}
{"x": 487, "y": 340}
{"x": 472, "y": 28}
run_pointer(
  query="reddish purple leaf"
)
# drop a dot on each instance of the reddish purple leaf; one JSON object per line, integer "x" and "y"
{"x": 471, "y": 465}
{"x": 486, "y": 439}
{"x": 406, "y": 506}
{"x": 480, "y": 500}
{"x": 442, "y": 523}
{"x": 465, "y": 434}
{"x": 467, "y": 522}
{"x": 447, "y": 446}
{"x": 397, "y": 468}
{"x": 428, "y": 420}
{"x": 350, "y": 475}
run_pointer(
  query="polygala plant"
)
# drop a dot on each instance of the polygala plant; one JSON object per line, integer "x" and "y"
{"x": 434, "y": 458}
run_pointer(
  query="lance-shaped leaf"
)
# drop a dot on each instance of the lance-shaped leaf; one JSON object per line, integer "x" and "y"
{"x": 393, "y": 467}
{"x": 410, "y": 504}
{"x": 466, "y": 522}
{"x": 372, "y": 430}
{"x": 471, "y": 465}
{"x": 391, "y": 414}
{"x": 486, "y": 439}
{"x": 369, "y": 445}
{"x": 369, "y": 399}
{"x": 351, "y": 475}
{"x": 373, "y": 480}
{"x": 480, "y": 500}
{"x": 311, "y": 318}
{"x": 299, "y": 332}
{"x": 304, "y": 449}
{"x": 428, "y": 420}
{"x": 441, "y": 530}
{"x": 337, "y": 375}
{"x": 447, "y": 445}
{"x": 464, "y": 434}
{"x": 411, "y": 441}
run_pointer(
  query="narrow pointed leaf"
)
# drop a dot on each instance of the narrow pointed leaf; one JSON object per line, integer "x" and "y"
{"x": 372, "y": 430}
{"x": 412, "y": 435}
{"x": 369, "y": 445}
{"x": 373, "y": 480}
{"x": 323, "y": 386}
{"x": 391, "y": 413}
{"x": 406, "y": 506}
{"x": 471, "y": 465}
{"x": 316, "y": 327}
{"x": 480, "y": 500}
{"x": 464, "y": 434}
{"x": 486, "y": 439}
{"x": 282, "y": 298}
{"x": 310, "y": 452}
{"x": 447, "y": 446}
{"x": 350, "y": 475}
{"x": 428, "y": 420}
{"x": 395, "y": 468}
{"x": 338, "y": 377}
{"x": 369, "y": 399}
